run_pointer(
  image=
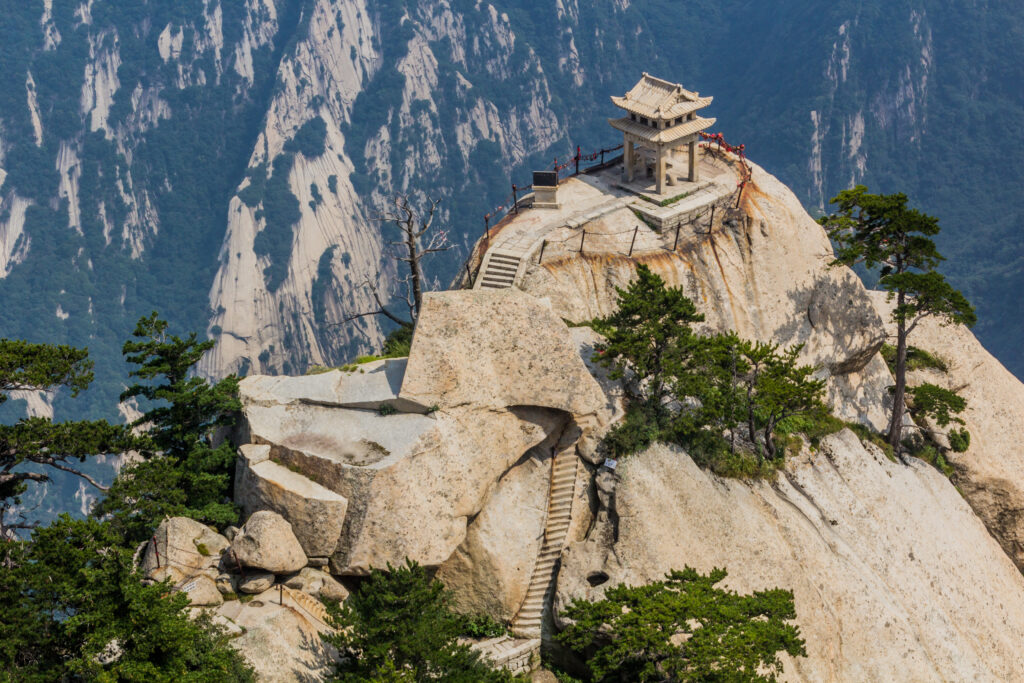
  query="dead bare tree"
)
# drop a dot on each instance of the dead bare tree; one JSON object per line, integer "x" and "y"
{"x": 418, "y": 239}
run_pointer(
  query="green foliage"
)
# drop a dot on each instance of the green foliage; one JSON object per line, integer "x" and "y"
{"x": 959, "y": 440}
{"x": 649, "y": 340}
{"x": 184, "y": 472}
{"x": 46, "y": 367}
{"x": 385, "y": 409}
{"x": 75, "y": 610}
{"x": 880, "y": 231}
{"x": 399, "y": 626}
{"x": 309, "y": 140}
{"x": 941, "y": 405}
{"x": 926, "y": 450}
{"x": 398, "y": 342}
{"x": 684, "y": 629}
{"x": 281, "y": 212}
{"x": 690, "y": 390}
{"x": 480, "y": 626}
{"x": 917, "y": 359}
{"x": 40, "y": 441}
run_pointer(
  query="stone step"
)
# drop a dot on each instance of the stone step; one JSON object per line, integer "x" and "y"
{"x": 493, "y": 286}
{"x": 507, "y": 265}
{"x": 508, "y": 258}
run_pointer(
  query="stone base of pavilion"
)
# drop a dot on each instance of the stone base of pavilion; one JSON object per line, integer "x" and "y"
{"x": 680, "y": 201}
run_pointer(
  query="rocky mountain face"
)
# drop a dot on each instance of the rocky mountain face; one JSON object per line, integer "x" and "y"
{"x": 491, "y": 425}
{"x": 224, "y": 163}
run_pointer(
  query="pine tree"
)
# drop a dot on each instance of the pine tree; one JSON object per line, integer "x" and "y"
{"x": 183, "y": 472}
{"x": 74, "y": 609}
{"x": 399, "y": 626}
{"x": 649, "y": 343}
{"x": 881, "y": 231}
{"x": 683, "y": 628}
{"x": 40, "y": 441}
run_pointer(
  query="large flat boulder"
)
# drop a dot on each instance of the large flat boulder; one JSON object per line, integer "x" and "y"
{"x": 367, "y": 385}
{"x": 496, "y": 349}
{"x": 315, "y": 513}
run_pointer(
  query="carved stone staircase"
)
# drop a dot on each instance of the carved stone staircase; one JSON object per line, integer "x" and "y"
{"x": 564, "y": 466}
{"x": 307, "y": 603}
{"x": 500, "y": 270}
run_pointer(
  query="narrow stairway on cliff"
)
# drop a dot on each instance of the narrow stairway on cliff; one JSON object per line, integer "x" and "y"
{"x": 564, "y": 468}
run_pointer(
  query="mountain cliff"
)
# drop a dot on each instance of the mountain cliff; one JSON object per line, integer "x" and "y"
{"x": 224, "y": 162}
{"x": 488, "y": 434}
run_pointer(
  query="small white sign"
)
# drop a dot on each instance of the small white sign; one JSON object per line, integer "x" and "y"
{"x": 610, "y": 464}
{"x": 189, "y": 587}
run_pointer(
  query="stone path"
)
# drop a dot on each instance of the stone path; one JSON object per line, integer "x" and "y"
{"x": 580, "y": 202}
{"x": 583, "y": 201}
{"x": 564, "y": 466}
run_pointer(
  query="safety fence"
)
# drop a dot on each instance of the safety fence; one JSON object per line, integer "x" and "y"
{"x": 715, "y": 142}
{"x": 578, "y": 163}
{"x": 590, "y": 162}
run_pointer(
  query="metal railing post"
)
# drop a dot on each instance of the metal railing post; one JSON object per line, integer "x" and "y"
{"x": 583, "y": 237}
{"x": 676, "y": 243}
{"x": 542, "y": 246}
{"x": 633, "y": 241}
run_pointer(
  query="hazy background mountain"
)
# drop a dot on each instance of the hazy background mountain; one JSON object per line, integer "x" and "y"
{"x": 222, "y": 161}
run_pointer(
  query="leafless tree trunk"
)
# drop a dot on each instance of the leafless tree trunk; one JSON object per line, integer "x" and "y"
{"x": 418, "y": 239}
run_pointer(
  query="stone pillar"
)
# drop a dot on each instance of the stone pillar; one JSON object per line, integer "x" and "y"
{"x": 694, "y": 173}
{"x": 628, "y": 157}
{"x": 659, "y": 170}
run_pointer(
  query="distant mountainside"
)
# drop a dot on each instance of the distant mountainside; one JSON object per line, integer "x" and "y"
{"x": 222, "y": 162}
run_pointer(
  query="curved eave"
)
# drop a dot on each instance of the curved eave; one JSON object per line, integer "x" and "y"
{"x": 652, "y": 110}
{"x": 664, "y": 136}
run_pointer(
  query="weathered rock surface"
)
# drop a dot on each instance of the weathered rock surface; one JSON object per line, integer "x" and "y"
{"x": 317, "y": 583}
{"x": 991, "y": 473}
{"x": 282, "y": 643}
{"x": 183, "y": 544}
{"x": 369, "y": 386}
{"x": 315, "y": 513}
{"x": 267, "y": 542}
{"x": 255, "y": 582}
{"x": 226, "y": 583}
{"x": 202, "y": 591}
{"x": 894, "y": 576}
{"x": 490, "y": 571}
{"x": 495, "y": 349}
{"x": 766, "y": 276}
{"x": 437, "y": 469}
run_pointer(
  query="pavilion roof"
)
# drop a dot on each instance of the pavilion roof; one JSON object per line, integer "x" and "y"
{"x": 664, "y": 135}
{"x": 658, "y": 99}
